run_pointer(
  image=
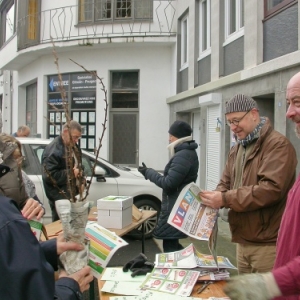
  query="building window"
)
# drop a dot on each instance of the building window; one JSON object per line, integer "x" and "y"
{"x": 184, "y": 42}
{"x": 204, "y": 27}
{"x": 234, "y": 19}
{"x": 273, "y": 6}
{"x": 125, "y": 89}
{"x": 109, "y": 10}
{"x": 31, "y": 108}
{"x": 7, "y": 17}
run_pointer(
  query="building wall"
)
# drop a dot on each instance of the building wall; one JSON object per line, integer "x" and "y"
{"x": 281, "y": 33}
{"x": 204, "y": 70}
{"x": 155, "y": 86}
{"x": 239, "y": 67}
{"x": 233, "y": 56}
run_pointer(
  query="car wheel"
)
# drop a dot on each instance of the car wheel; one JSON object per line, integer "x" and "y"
{"x": 146, "y": 204}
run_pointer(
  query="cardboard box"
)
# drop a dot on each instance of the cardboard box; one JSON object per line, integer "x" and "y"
{"x": 115, "y": 211}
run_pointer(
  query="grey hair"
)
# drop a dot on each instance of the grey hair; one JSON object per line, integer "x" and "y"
{"x": 23, "y": 128}
{"x": 72, "y": 125}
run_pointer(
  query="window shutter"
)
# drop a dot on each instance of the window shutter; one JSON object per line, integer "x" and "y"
{"x": 212, "y": 148}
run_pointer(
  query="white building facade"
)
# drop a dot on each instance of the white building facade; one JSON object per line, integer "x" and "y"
{"x": 128, "y": 44}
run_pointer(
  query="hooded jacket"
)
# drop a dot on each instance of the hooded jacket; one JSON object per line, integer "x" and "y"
{"x": 256, "y": 207}
{"x": 181, "y": 170}
{"x": 11, "y": 185}
{"x": 27, "y": 266}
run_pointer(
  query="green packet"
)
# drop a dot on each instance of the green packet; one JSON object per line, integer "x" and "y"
{"x": 36, "y": 227}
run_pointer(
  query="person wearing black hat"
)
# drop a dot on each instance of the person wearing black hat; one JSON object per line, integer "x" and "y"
{"x": 181, "y": 170}
{"x": 27, "y": 266}
{"x": 258, "y": 174}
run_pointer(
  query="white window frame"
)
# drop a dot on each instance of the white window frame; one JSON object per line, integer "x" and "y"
{"x": 204, "y": 28}
{"x": 7, "y": 18}
{"x": 184, "y": 42}
{"x": 230, "y": 37}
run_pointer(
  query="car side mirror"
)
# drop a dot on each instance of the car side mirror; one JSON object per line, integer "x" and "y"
{"x": 100, "y": 174}
{"x": 99, "y": 171}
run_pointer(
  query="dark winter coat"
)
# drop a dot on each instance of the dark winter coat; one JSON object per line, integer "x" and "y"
{"x": 27, "y": 267}
{"x": 180, "y": 170}
{"x": 54, "y": 161}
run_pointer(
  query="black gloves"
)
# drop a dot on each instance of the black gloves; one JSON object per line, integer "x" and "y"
{"x": 139, "y": 265}
{"x": 142, "y": 169}
{"x": 146, "y": 268}
{"x": 137, "y": 262}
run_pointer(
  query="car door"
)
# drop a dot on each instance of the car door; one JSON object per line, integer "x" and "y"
{"x": 104, "y": 182}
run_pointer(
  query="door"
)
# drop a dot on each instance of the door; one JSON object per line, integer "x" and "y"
{"x": 124, "y": 138}
{"x": 124, "y": 109}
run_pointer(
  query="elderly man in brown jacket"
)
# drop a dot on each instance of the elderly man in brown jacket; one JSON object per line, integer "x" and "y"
{"x": 259, "y": 172}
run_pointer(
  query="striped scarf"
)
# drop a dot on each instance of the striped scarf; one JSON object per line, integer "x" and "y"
{"x": 254, "y": 135}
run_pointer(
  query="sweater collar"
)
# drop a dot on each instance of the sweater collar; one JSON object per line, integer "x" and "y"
{"x": 172, "y": 146}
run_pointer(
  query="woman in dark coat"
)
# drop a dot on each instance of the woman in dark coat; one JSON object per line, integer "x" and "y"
{"x": 181, "y": 170}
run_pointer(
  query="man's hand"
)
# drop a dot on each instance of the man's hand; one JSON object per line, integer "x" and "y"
{"x": 62, "y": 245}
{"x": 143, "y": 169}
{"x": 83, "y": 277}
{"x": 252, "y": 287}
{"x": 76, "y": 172}
{"x": 32, "y": 209}
{"x": 212, "y": 198}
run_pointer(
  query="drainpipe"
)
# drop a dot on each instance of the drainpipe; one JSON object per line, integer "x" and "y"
{"x": 7, "y": 102}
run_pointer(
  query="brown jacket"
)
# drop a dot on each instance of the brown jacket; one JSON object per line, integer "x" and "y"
{"x": 257, "y": 206}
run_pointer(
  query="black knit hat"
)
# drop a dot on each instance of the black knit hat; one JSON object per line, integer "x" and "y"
{"x": 240, "y": 103}
{"x": 180, "y": 129}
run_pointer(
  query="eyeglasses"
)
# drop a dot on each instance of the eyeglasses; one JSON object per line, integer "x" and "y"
{"x": 236, "y": 122}
{"x": 76, "y": 137}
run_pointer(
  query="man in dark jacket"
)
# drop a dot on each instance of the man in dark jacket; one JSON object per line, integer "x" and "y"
{"x": 54, "y": 161}
{"x": 27, "y": 267}
{"x": 181, "y": 170}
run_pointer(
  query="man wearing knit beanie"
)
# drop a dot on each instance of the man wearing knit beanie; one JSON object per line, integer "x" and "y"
{"x": 240, "y": 103}
{"x": 254, "y": 185}
{"x": 181, "y": 170}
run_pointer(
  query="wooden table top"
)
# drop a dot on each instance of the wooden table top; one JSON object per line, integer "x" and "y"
{"x": 53, "y": 229}
{"x": 213, "y": 290}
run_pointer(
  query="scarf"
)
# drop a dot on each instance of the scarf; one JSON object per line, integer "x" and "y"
{"x": 172, "y": 146}
{"x": 254, "y": 134}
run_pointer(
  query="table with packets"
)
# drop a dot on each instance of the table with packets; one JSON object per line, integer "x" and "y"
{"x": 55, "y": 228}
{"x": 214, "y": 290}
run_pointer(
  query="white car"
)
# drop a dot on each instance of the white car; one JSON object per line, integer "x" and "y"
{"x": 109, "y": 179}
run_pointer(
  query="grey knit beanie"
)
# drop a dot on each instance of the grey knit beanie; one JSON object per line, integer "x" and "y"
{"x": 240, "y": 102}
